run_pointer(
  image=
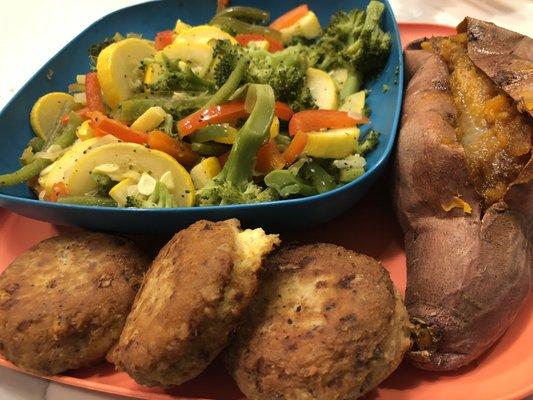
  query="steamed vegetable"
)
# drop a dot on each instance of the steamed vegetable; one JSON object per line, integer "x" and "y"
{"x": 353, "y": 41}
{"x": 307, "y": 121}
{"x": 47, "y": 110}
{"x": 234, "y": 184}
{"x": 322, "y": 89}
{"x": 62, "y": 137}
{"x": 284, "y": 70}
{"x": 119, "y": 69}
{"x": 230, "y": 102}
{"x": 123, "y": 160}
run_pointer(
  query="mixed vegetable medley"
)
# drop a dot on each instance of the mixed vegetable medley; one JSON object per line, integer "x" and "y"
{"x": 239, "y": 110}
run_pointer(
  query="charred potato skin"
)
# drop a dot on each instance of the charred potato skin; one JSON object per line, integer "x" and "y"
{"x": 64, "y": 302}
{"x": 467, "y": 273}
{"x": 313, "y": 330}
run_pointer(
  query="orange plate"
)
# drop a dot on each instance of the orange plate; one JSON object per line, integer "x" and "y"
{"x": 503, "y": 373}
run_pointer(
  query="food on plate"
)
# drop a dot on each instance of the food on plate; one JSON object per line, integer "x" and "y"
{"x": 326, "y": 323}
{"x": 63, "y": 303}
{"x": 281, "y": 102}
{"x": 191, "y": 300}
{"x": 464, "y": 190}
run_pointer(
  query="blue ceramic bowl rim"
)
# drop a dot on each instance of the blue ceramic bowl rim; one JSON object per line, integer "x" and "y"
{"x": 301, "y": 200}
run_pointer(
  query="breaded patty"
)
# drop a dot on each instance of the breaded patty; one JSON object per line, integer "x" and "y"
{"x": 191, "y": 300}
{"x": 326, "y": 324}
{"x": 64, "y": 302}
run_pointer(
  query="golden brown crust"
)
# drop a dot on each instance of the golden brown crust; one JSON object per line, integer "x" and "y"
{"x": 321, "y": 325}
{"x": 468, "y": 273}
{"x": 64, "y": 302}
{"x": 187, "y": 306}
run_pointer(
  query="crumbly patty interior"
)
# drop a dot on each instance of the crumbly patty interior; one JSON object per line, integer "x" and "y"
{"x": 251, "y": 246}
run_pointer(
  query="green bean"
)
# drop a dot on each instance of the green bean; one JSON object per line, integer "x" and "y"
{"x": 36, "y": 144}
{"x": 67, "y": 136}
{"x": 247, "y": 14}
{"x": 133, "y": 108}
{"x": 235, "y": 26}
{"x": 58, "y": 127}
{"x": 212, "y": 132}
{"x": 25, "y": 173}
{"x": 63, "y": 136}
{"x": 168, "y": 123}
{"x": 288, "y": 184}
{"x": 87, "y": 201}
{"x": 209, "y": 149}
{"x": 231, "y": 84}
{"x": 322, "y": 180}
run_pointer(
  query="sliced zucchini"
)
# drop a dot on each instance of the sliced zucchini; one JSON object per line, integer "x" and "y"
{"x": 133, "y": 157}
{"x": 323, "y": 89}
{"x": 118, "y": 69}
{"x": 334, "y": 143}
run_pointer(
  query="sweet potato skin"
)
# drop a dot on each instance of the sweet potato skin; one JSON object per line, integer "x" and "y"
{"x": 505, "y": 56}
{"x": 467, "y": 272}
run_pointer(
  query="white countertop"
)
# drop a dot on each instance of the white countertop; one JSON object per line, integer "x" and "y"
{"x": 31, "y": 31}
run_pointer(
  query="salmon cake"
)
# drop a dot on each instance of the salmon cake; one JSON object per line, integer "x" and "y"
{"x": 326, "y": 324}
{"x": 64, "y": 302}
{"x": 191, "y": 301}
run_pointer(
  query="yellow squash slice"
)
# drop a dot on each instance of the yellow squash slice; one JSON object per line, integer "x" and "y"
{"x": 46, "y": 111}
{"x": 62, "y": 166}
{"x": 203, "y": 34}
{"x": 118, "y": 68}
{"x": 131, "y": 157}
{"x": 323, "y": 89}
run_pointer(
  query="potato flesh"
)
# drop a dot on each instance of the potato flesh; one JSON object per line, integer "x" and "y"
{"x": 495, "y": 136}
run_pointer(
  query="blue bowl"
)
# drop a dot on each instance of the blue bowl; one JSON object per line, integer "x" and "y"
{"x": 149, "y": 18}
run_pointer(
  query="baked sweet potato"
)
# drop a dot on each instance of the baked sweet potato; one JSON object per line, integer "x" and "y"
{"x": 463, "y": 191}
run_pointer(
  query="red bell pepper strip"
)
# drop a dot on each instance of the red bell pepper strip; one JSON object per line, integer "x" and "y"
{"x": 93, "y": 93}
{"x": 314, "y": 120}
{"x": 269, "y": 158}
{"x": 296, "y": 147}
{"x": 179, "y": 150}
{"x": 102, "y": 124}
{"x": 163, "y": 39}
{"x": 290, "y": 18}
{"x": 211, "y": 115}
{"x": 223, "y": 113}
{"x": 58, "y": 189}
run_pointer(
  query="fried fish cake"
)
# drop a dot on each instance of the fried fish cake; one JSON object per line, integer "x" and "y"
{"x": 326, "y": 324}
{"x": 64, "y": 302}
{"x": 191, "y": 300}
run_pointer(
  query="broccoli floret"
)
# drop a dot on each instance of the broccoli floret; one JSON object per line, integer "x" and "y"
{"x": 350, "y": 167}
{"x": 369, "y": 143}
{"x": 226, "y": 56}
{"x": 353, "y": 40}
{"x": 176, "y": 79}
{"x": 160, "y": 198}
{"x": 103, "y": 183}
{"x": 96, "y": 48}
{"x": 284, "y": 71}
{"x": 234, "y": 184}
